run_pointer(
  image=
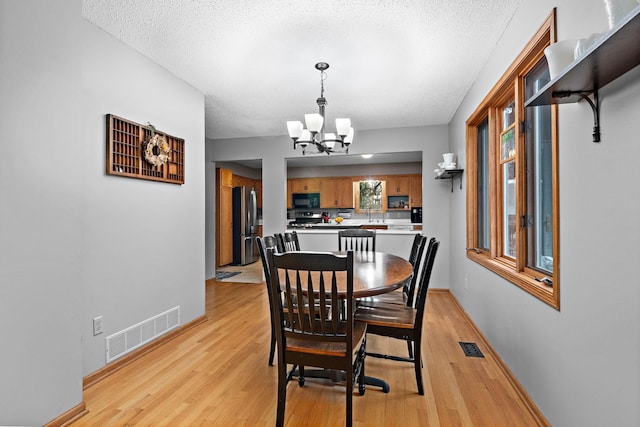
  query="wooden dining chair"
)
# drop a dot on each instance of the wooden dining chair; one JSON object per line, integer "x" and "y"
{"x": 279, "y": 241}
{"x": 316, "y": 333}
{"x": 288, "y": 241}
{"x": 357, "y": 240}
{"x": 403, "y": 322}
{"x": 265, "y": 243}
{"x": 406, "y": 296}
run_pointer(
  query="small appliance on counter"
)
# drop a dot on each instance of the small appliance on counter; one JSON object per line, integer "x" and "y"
{"x": 416, "y": 215}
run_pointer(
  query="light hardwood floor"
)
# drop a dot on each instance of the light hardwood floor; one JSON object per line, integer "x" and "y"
{"x": 217, "y": 374}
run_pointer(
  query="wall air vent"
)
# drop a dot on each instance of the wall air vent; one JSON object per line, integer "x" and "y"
{"x": 135, "y": 336}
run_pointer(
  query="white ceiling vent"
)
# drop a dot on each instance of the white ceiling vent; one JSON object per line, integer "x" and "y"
{"x": 129, "y": 339}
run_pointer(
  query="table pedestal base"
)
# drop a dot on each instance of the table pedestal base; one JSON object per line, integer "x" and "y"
{"x": 336, "y": 376}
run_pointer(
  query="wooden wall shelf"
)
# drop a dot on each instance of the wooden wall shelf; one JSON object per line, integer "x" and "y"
{"x": 451, "y": 174}
{"x": 125, "y": 152}
{"x": 609, "y": 58}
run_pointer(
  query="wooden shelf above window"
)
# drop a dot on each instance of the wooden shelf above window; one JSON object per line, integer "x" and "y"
{"x": 609, "y": 58}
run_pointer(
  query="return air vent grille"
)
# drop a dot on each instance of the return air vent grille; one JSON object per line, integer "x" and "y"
{"x": 129, "y": 339}
{"x": 471, "y": 349}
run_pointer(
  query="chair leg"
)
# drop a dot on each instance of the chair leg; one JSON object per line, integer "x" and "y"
{"x": 349, "y": 385}
{"x": 410, "y": 348}
{"x": 301, "y": 375}
{"x": 272, "y": 350}
{"x": 417, "y": 363}
{"x": 282, "y": 393}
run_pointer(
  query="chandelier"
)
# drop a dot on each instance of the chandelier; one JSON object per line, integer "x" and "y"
{"x": 314, "y": 133}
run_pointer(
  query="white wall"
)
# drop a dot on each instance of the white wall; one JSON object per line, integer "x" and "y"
{"x": 75, "y": 243}
{"x": 143, "y": 241}
{"x": 273, "y": 150}
{"x": 579, "y": 364}
{"x": 40, "y": 211}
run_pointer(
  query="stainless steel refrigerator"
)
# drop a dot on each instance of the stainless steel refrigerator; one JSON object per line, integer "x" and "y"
{"x": 245, "y": 226}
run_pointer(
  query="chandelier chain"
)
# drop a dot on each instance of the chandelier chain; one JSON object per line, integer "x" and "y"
{"x": 323, "y": 77}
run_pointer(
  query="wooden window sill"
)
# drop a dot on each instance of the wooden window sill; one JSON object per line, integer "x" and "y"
{"x": 524, "y": 281}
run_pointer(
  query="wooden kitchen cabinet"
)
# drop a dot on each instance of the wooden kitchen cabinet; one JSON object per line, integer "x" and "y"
{"x": 224, "y": 177}
{"x": 305, "y": 185}
{"x": 336, "y": 193}
{"x": 289, "y": 193}
{"x": 345, "y": 188}
{"x": 242, "y": 181}
{"x": 224, "y": 217}
{"x": 258, "y": 187}
{"x": 398, "y": 185}
{"x": 329, "y": 196}
{"x": 415, "y": 195}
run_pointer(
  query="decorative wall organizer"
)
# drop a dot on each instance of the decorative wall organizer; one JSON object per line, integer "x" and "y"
{"x": 139, "y": 151}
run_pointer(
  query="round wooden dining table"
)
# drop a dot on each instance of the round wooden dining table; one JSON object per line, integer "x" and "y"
{"x": 375, "y": 273}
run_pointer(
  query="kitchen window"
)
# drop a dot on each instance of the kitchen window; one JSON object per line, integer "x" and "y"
{"x": 512, "y": 179}
{"x": 371, "y": 196}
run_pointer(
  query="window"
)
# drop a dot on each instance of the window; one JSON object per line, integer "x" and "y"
{"x": 370, "y": 196}
{"x": 512, "y": 184}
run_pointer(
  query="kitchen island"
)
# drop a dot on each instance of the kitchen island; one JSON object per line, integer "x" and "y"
{"x": 396, "y": 239}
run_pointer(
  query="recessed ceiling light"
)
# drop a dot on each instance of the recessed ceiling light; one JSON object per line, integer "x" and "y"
{"x": 367, "y": 156}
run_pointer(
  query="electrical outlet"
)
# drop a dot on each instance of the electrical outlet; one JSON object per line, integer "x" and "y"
{"x": 97, "y": 325}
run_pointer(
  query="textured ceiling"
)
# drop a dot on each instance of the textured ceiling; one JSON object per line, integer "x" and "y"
{"x": 394, "y": 63}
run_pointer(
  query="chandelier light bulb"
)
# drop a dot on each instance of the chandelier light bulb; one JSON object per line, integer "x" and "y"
{"x": 295, "y": 129}
{"x": 314, "y": 122}
{"x": 343, "y": 126}
{"x": 349, "y": 138}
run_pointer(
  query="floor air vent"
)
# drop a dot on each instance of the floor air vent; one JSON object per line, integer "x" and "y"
{"x": 471, "y": 349}
{"x": 129, "y": 339}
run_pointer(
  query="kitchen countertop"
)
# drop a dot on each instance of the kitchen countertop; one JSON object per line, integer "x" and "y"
{"x": 334, "y": 230}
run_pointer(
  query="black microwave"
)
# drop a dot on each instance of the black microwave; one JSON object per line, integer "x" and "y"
{"x": 306, "y": 200}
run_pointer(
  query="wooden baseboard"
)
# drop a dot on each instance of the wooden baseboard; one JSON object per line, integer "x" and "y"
{"x": 68, "y": 417}
{"x": 520, "y": 391}
{"x": 109, "y": 369}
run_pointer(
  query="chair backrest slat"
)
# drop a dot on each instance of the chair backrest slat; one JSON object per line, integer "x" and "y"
{"x": 417, "y": 249}
{"x": 425, "y": 278}
{"x": 288, "y": 241}
{"x": 359, "y": 240}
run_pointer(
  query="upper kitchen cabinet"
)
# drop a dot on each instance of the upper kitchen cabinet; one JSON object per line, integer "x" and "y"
{"x": 289, "y": 193}
{"x": 415, "y": 191}
{"x": 398, "y": 185}
{"x": 258, "y": 187}
{"x": 225, "y": 177}
{"x": 241, "y": 181}
{"x": 304, "y": 185}
{"x": 336, "y": 193}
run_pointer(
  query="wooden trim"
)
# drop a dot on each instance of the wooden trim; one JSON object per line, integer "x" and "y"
{"x": 510, "y": 86}
{"x": 519, "y": 389}
{"x": 69, "y": 417}
{"x": 115, "y": 366}
{"x": 523, "y": 281}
